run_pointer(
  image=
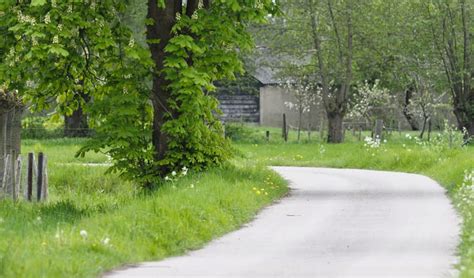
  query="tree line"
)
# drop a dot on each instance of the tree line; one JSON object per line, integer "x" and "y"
{"x": 421, "y": 49}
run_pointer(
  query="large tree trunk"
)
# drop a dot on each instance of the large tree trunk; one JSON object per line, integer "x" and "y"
{"x": 465, "y": 120}
{"x": 11, "y": 110}
{"x": 76, "y": 125}
{"x": 159, "y": 34}
{"x": 406, "y": 111}
{"x": 335, "y": 128}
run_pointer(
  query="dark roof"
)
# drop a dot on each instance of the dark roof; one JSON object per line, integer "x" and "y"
{"x": 267, "y": 66}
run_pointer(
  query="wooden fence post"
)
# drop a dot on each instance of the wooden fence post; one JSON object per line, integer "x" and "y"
{"x": 29, "y": 186}
{"x": 11, "y": 180}
{"x": 39, "y": 181}
{"x": 19, "y": 167}
{"x": 44, "y": 189}
{"x": 6, "y": 173}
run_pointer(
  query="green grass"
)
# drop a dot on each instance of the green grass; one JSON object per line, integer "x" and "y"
{"x": 438, "y": 161}
{"x": 43, "y": 240}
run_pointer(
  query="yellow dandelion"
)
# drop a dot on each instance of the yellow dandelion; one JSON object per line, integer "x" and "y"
{"x": 258, "y": 192}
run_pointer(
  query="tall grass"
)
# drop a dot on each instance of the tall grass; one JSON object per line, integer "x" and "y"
{"x": 95, "y": 222}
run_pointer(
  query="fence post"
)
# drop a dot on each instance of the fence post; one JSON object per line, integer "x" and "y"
{"x": 44, "y": 191}
{"x": 5, "y": 173}
{"x": 267, "y": 135}
{"x": 39, "y": 177}
{"x": 285, "y": 129}
{"x": 19, "y": 168}
{"x": 29, "y": 186}
{"x": 12, "y": 179}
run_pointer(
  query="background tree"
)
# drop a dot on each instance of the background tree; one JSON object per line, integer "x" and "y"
{"x": 306, "y": 94}
{"x": 452, "y": 30}
{"x": 371, "y": 102}
{"x": 320, "y": 35}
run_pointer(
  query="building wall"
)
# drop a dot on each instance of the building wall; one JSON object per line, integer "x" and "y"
{"x": 272, "y": 107}
{"x": 239, "y": 108}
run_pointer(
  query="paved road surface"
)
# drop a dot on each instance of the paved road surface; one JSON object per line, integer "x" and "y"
{"x": 335, "y": 223}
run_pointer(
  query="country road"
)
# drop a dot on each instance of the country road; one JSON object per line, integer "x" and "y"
{"x": 334, "y": 223}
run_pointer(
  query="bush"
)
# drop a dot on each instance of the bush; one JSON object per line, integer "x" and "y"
{"x": 40, "y": 128}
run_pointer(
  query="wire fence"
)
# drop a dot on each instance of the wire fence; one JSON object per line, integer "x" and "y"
{"x": 56, "y": 133}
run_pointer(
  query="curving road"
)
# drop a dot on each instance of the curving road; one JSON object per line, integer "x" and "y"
{"x": 335, "y": 223}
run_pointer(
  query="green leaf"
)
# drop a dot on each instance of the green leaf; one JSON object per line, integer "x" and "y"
{"x": 35, "y": 3}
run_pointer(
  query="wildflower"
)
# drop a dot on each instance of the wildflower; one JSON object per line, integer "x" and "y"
{"x": 131, "y": 43}
{"x": 83, "y": 234}
{"x": 258, "y": 192}
{"x": 192, "y": 185}
{"x": 47, "y": 19}
{"x": 184, "y": 171}
{"x": 167, "y": 178}
{"x": 105, "y": 241}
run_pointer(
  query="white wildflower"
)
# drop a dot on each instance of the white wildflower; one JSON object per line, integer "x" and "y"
{"x": 105, "y": 241}
{"x": 83, "y": 234}
{"x": 184, "y": 171}
{"x": 173, "y": 173}
{"x": 131, "y": 43}
{"x": 47, "y": 19}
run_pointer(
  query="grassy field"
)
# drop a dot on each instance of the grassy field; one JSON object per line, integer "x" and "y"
{"x": 95, "y": 222}
{"x": 452, "y": 167}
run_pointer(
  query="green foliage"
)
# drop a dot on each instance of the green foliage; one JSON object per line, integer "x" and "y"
{"x": 36, "y": 127}
{"x": 202, "y": 51}
{"x": 73, "y": 50}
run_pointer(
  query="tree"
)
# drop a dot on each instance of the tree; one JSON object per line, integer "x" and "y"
{"x": 306, "y": 95}
{"x": 452, "y": 30}
{"x": 370, "y": 102}
{"x": 85, "y": 46}
{"x": 320, "y": 36}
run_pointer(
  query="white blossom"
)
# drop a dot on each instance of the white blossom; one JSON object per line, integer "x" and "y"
{"x": 83, "y": 234}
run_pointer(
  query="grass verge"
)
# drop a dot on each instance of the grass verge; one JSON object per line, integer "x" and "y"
{"x": 451, "y": 167}
{"x": 96, "y": 222}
